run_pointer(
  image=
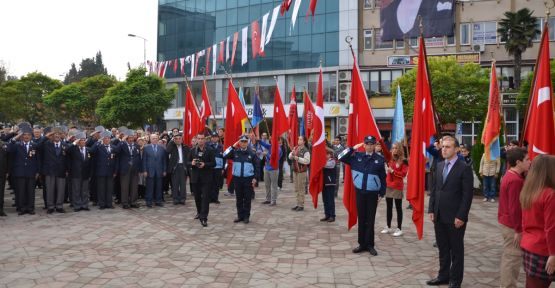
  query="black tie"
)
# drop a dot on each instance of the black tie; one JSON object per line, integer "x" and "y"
{"x": 57, "y": 149}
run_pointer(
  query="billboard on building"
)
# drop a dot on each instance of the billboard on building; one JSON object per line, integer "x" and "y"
{"x": 399, "y": 18}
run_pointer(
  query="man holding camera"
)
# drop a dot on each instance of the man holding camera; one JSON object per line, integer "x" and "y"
{"x": 202, "y": 162}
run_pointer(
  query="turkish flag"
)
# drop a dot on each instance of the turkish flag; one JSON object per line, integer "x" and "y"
{"x": 205, "y": 107}
{"x": 235, "y": 38}
{"x": 234, "y": 115}
{"x": 318, "y": 146}
{"x": 207, "y": 68}
{"x": 539, "y": 129}
{"x": 361, "y": 124}
{"x": 423, "y": 128}
{"x": 293, "y": 121}
{"x": 312, "y": 7}
{"x": 280, "y": 125}
{"x": 221, "y": 52}
{"x": 308, "y": 115}
{"x": 255, "y": 39}
{"x": 192, "y": 124}
{"x": 285, "y": 6}
{"x": 492, "y": 127}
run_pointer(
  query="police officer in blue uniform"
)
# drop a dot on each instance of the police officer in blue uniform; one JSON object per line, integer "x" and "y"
{"x": 24, "y": 169}
{"x": 219, "y": 168}
{"x": 368, "y": 173}
{"x": 245, "y": 173}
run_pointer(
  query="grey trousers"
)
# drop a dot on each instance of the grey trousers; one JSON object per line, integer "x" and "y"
{"x": 129, "y": 184}
{"x": 179, "y": 189}
{"x": 271, "y": 181}
{"x": 80, "y": 193}
{"x": 55, "y": 192}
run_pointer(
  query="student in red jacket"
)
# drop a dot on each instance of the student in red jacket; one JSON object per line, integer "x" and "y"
{"x": 537, "y": 200}
{"x": 510, "y": 215}
{"x": 397, "y": 169}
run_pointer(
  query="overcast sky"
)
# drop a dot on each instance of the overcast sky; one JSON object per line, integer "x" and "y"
{"x": 48, "y": 35}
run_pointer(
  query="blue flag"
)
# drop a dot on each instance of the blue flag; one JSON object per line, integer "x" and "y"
{"x": 242, "y": 97}
{"x": 398, "y": 129}
{"x": 257, "y": 116}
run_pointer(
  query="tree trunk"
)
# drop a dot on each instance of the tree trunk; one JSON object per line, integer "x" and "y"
{"x": 517, "y": 68}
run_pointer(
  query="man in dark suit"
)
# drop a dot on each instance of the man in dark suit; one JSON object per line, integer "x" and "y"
{"x": 399, "y": 18}
{"x": 80, "y": 171}
{"x": 202, "y": 162}
{"x": 3, "y": 173}
{"x": 104, "y": 157}
{"x": 450, "y": 200}
{"x": 24, "y": 169}
{"x": 154, "y": 168}
{"x": 177, "y": 168}
{"x": 94, "y": 138}
{"x": 55, "y": 169}
{"x": 128, "y": 167}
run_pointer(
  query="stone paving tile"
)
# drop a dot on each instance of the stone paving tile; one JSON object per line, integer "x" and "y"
{"x": 166, "y": 247}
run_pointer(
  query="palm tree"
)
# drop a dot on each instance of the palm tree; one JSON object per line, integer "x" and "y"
{"x": 517, "y": 30}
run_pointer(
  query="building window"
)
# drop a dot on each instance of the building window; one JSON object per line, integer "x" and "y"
{"x": 382, "y": 44}
{"x": 369, "y": 4}
{"x": 368, "y": 40}
{"x": 465, "y": 33}
{"x": 540, "y": 22}
{"x": 399, "y": 44}
{"x": 380, "y": 81}
{"x": 484, "y": 33}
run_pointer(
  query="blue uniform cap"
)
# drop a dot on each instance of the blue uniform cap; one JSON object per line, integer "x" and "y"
{"x": 369, "y": 140}
{"x": 243, "y": 138}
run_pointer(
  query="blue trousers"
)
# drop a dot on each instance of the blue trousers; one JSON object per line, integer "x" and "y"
{"x": 153, "y": 189}
{"x": 489, "y": 186}
{"x": 328, "y": 196}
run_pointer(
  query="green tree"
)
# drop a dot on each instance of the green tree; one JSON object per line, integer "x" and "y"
{"x": 517, "y": 30}
{"x": 524, "y": 91}
{"x": 76, "y": 102}
{"x": 138, "y": 100}
{"x": 23, "y": 99}
{"x": 460, "y": 91}
{"x": 89, "y": 67}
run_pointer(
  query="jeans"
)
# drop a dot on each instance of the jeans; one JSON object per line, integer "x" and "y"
{"x": 489, "y": 186}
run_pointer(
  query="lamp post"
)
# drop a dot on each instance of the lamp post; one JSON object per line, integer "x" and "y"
{"x": 144, "y": 46}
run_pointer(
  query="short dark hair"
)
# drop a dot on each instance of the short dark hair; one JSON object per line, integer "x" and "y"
{"x": 514, "y": 142}
{"x": 452, "y": 138}
{"x": 516, "y": 154}
{"x": 337, "y": 138}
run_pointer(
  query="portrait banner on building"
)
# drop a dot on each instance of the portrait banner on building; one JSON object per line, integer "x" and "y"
{"x": 399, "y": 18}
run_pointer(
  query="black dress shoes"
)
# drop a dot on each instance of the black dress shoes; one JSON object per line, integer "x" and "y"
{"x": 453, "y": 285}
{"x": 86, "y": 209}
{"x": 49, "y": 211}
{"x": 204, "y": 223}
{"x": 196, "y": 216}
{"x": 32, "y": 212}
{"x": 246, "y": 221}
{"x": 60, "y": 210}
{"x": 237, "y": 220}
{"x": 2, "y": 214}
{"x": 331, "y": 219}
{"x": 295, "y": 208}
{"x": 359, "y": 249}
{"x": 437, "y": 282}
{"x": 373, "y": 251}
{"x": 325, "y": 219}
{"x": 21, "y": 213}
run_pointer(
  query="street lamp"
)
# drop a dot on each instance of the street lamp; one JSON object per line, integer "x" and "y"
{"x": 144, "y": 46}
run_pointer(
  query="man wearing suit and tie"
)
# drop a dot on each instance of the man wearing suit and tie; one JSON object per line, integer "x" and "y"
{"x": 177, "y": 168}
{"x": 104, "y": 155}
{"x": 55, "y": 169}
{"x": 80, "y": 171}
{"x": 128, "y": 167}
{"x": 202, "y": 162}
{"x": 450, "y": 200}
{"x": 154, "y": 168}
{"x": 24, "y": 170}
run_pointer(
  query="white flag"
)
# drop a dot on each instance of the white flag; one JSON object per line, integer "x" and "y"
{"x": 295, "y": 14}
{"x": 191, "y": 59}
{"x": 275, "y": 14}
{"x": 227, "y": 49}
{"x": 244, "y": 45}
{"x": 263, "y": 32}
{"x": 182, "y": 65}
{"x": 214, "y": 58}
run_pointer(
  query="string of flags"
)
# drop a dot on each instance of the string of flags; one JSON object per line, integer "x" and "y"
{"x": 224, "y": 50}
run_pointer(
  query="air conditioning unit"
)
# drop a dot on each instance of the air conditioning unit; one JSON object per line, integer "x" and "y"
{"x": 344, "y": 76}
{"x": 479, "y": 48}
{"x": 342, "y": 125}
{"x": 344, "y": 91}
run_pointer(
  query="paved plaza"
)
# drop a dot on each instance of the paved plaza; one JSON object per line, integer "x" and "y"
{"x": 165, "y": 247}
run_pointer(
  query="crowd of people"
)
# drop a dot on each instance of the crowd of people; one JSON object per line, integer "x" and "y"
{"x": 122, "y": 166}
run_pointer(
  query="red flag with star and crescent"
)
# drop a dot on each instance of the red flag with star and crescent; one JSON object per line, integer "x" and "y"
{"x": 539, "y": 128}
{"x": 318, "y": 157}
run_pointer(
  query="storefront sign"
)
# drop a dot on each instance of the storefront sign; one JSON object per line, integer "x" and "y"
{"x": 509, "y": 98}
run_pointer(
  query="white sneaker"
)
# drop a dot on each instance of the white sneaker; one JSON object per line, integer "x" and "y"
{"x": 386, "y": 230}
{"x": 485, "y": 200}
{"x": 398, "y": 232}
{"x": 492, "y": 200}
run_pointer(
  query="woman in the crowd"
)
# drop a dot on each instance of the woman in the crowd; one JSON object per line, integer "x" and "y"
{"x": 537, "y": 199}
{"x": 397, "y": 169}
